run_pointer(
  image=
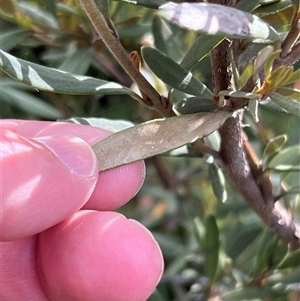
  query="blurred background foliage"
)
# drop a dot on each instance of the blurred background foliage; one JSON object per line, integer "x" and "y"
{"x": 213, "y": 250}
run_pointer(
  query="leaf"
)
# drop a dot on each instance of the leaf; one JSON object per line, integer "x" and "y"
{"x": 290, "y": 92}
{"x": 287, "y": 159}
{"x": 289, "y": 105}
{"x": 248, "y": 6}
{"x": 218, "y": 19}
{"x": 273, "y": 146}
{"x": 290, "y": 261}
{"x": 164, "y": 38}
{"x": 261, "y": 59}
{"x": 217, "y": 181}
{"x": 294, "y": 77}
{"x": 54, "y": 80}
{"x": 269, "y": 8}
{"x": 192, "y": 105}
{"x": 251, "y": 294}
{"x": 238, "y": 94}
{"x": 38, "y": 15}
{"x": 29, "y": 103}
{"x": 260, "y": 260}
{"x": 51, "y": 6}
{"x": 113, "y": 125}
{"x": 253, "y": 109}
{"x": 155, "y": 137}
{"x": 173, "y": 74}
{"x": 211, "y": 245}
{"x": 200, "y": 49}
{"x": 246, "y": 74}
{"x": 77, "y": 61}
{"x": 12, "y": 37}
{"x": 146, "y": 3}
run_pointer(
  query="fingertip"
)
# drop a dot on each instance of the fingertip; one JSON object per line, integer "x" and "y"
{"x": 115, "y": 187}
{"x": 39, "y": 189}
{"x": 111, "y": 257}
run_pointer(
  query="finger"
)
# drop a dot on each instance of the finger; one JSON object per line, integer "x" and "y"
{"x": 19, "y": 277}
{"x": 115, "y": 187}
{"x": 43, "y": 183}
{"x": 99, "y": 256}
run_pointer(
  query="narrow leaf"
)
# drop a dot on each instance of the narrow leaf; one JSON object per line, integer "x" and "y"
{"x": 146, "y": 3}
{"x": 12, "y": 37}
{"x": 262, "y": 58}
{"x": 200, "y": 49}
{"x": 248, "y": 6}
{"x": 173, "y": 74}
{"x": 57, "y": 81}
{"x": 113, "y": 125}
{"x": 290, "y": 261}
{"x": 290, "y": 92}
{"x": 217, "y": 181}
{"x": 218, "y": 19}
{"x": 192, "y": 105}
{"x": 211, "y": 247}
{"x": 289, "y": 105}
{"x": 164, "y": 38}
{"x": 155, "y": 137}
{"x": 289, "y": 157}
{"x": 273, "y": 146}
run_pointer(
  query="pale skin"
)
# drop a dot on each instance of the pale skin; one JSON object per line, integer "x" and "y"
{"x": 60, "y": 238}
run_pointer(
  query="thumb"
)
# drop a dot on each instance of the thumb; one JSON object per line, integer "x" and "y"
{"x": 44, "y": 180}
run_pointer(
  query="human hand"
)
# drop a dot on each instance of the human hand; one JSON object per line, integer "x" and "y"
{"x": 59, "y": 238}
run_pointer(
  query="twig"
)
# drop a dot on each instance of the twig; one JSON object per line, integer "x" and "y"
{"x": 292, "y": 35}
{"x": 290, "y": 59}
{"x": 255, "y": 190}
{"x": 121, "y": 56}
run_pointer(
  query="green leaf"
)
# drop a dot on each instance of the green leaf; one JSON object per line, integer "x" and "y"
{"x": 290, "y": 92}
{"x": 275, "y": 7}
{"x": 200, "y": 49}
{"x": 251, "y": 294}
{"x": 51, "y": 6}
{"x": 54, "y": 80}
{"x": 192, "y": 105}
{"x": 294, "y": 77}
{"x": 12, "y": 37}
{"x": 113, "y": 125}
{"x": 246, "y": 74}
{"x": 288, "y": 159}
{"x": 78, "y": 61}
{"x": 211, "y": 245}
{"x": 261, "y": 59}
{"x": 223, "y": 20}
{"x": 289, "y": 105}
{"x": 248, "y": 6}
{"x": 217, "y": 181}
{"x": 261, "y": 264}
{"x": 29, "y": 103}
{"x": 164, "y": 38}
{"x": 292, "y": 260}
{"x": 173, "y": 74}
{"x": 38, "y": 15}
{"x": 155, "y": 137}
{"x": 146, "y": 3}
{"x": 273, "y": 146}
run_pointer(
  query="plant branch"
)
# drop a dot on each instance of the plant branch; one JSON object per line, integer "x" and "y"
{"x": 290, "y": 59}
{"x": 253, "y": 185}
{"x": 292, "y": 35}
{"x": 114, "y": 45}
